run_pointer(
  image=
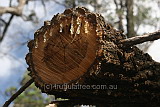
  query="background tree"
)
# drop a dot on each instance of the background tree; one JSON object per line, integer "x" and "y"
{"x": 130, "y": 18}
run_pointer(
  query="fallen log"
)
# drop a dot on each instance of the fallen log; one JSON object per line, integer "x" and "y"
{"x": 77, "y": 55}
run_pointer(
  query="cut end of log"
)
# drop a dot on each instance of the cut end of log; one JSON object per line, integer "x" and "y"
{"x": 65, "y": 47}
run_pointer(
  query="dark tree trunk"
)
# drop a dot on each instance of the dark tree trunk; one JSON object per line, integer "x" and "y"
{"x": 130, "y": 18}
{"x": 120, "y": 10}
{"x": 73, "y": 3}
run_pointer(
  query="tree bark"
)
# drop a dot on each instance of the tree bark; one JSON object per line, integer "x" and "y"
{"x": 77, "y": 55}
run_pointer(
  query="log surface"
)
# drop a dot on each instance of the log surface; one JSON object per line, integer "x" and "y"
{"x": 91, "y": 52}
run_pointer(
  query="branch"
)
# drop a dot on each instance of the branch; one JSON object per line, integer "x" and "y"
{"x": 14, "y": 10}
{"x": 140, "y": 39}
{"x": 44, "y": 6}
{"x": 10, "y": 3}
{"x": 3, "y": 21}
{"x": 115, "y": 2}
{"x": 6, "y": 28}
{"x": 14, "y": 96}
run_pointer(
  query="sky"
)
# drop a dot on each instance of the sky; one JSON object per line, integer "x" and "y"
{"x": 13, "y": 65}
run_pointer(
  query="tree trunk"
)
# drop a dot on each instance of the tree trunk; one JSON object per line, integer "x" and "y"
{"x": 130, "y": 18}
{"x": 73, "y": 4}
{"x": 119, "y": 11}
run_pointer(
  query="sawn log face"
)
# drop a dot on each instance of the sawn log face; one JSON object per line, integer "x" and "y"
{"x": 79, "y": 47}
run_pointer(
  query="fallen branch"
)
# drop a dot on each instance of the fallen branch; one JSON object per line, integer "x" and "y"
{"x": 140, "y": 39}
{"x": 14, "y": 96}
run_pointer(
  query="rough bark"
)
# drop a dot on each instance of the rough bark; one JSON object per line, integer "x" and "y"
{"x": 134, "y": 73}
